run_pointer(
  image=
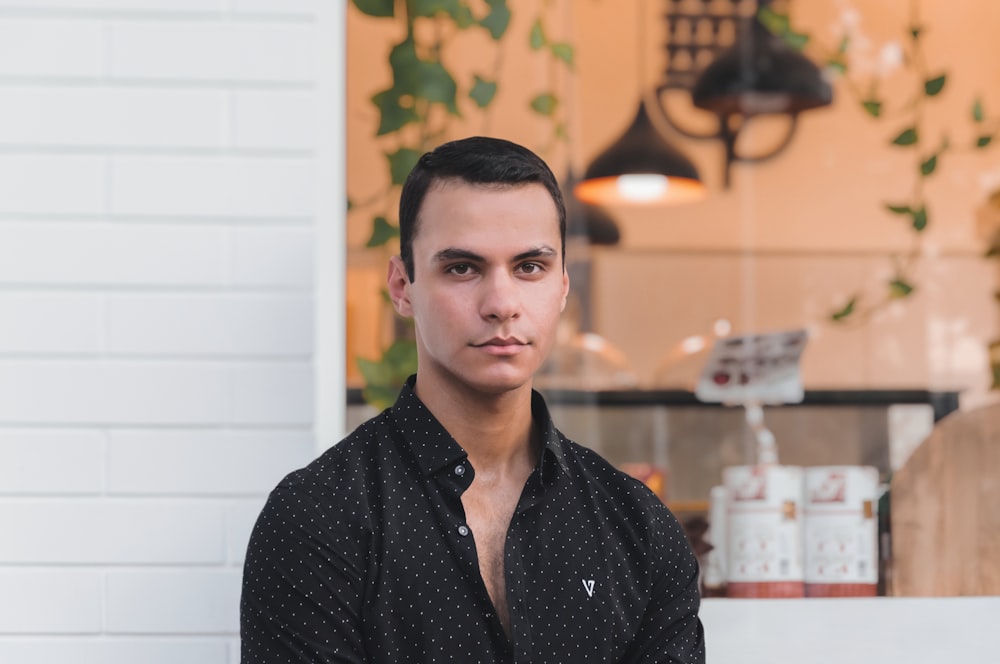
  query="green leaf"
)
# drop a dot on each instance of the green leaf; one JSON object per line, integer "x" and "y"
{"x": 795, "y": 40}
{"x": 899, "y": 209}
{"x": 427, "y": 79}
{"x": 916, "y": 31}
{"x": 432, "y": 7}
{"x": 977, "y": 110}
{"x": 402, "y": 357}
{"x": 928, "y": 166}
{"x": 983, "y": 141}
{"x": 777, "y": 23}
{"x": 350, "y": 204}
{"x": 561, "y": 132}
{"x": 899, "y": 288}
{"x": 919, "y": 219}
{"x": 564, "y": 52}
{"x": 933, "y": 86}
{"x": 375, "y": 7}
{"x": 536, "y": 38}
{"x": 382, "y": 232}
{"x": 392, "y": 114}
{"x": 837, "y": 65}
{"x": 401, "y": 162}
{"x": 873, "y": 107}
{"x": 906, "y": 137}
{"x": 846, "y": 311}
{"x": 845, "y": 42}
{"x": 463, "y": 17}
{"x": 545, "y": 104}
{"x": 497, "y": 20}
{"x": 483, "y": 91}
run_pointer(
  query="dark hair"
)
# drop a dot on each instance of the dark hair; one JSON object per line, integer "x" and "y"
{"x": 475, "y": 160}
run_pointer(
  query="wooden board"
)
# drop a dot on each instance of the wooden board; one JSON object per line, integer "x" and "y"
{"x": 946, "y": 510}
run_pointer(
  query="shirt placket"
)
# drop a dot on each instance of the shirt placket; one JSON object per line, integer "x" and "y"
{"x": 514, "y": 571}
{"x": 453, "y": 482}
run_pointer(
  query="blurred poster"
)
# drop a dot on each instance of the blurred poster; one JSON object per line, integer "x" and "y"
{"x": 757, "y": 368}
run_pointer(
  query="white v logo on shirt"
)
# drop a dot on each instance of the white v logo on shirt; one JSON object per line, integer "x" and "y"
{"x": 588, "y": 585}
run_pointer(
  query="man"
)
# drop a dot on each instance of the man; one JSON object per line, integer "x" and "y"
{"x": 460, "y": 525}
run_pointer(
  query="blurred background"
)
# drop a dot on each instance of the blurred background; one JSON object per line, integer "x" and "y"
{"x": 197, "y": 203}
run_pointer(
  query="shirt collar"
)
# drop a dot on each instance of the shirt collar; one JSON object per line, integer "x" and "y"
{"x": 434, "y": 448}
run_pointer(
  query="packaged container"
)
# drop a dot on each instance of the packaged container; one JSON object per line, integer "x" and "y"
{"x": 841, "y": 531}
{"x": 764, "y": 537}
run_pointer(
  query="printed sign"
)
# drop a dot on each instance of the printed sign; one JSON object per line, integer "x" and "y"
{"x": 758, "y": 368}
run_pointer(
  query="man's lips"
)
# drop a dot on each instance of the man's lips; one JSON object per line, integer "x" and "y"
{"x": 502, "y": 342}
{"x": 502, "y": 346}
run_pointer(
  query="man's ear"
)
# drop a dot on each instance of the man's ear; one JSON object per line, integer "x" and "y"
{"x": 565, "y": 289}
{"x": 399, "y": 287}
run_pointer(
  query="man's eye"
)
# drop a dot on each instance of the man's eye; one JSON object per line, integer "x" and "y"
{"x": 460, "y": 269}
{"x": 531, "y": 268}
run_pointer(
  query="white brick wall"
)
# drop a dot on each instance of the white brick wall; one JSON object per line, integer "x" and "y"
{"x": 165, "y": 181}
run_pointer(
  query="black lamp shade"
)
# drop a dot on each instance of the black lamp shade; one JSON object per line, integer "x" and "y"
{"x": 645, "y": 156}
{"x": 761, "y": 74}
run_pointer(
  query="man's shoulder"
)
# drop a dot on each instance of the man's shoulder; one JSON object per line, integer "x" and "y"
{"x": 347, "y": 466}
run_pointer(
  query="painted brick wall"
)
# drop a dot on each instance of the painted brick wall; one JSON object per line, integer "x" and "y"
{"x": 159, "y": 176}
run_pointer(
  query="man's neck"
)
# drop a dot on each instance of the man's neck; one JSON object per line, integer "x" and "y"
{"x": 496, "y": 430}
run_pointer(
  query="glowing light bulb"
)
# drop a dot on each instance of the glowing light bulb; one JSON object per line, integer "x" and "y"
{"x": 642, "y": 187}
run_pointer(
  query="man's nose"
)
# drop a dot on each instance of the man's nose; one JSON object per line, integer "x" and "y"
{"x": 501, "y": 297}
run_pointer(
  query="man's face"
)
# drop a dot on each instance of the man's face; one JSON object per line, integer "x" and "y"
{"x": 489, "y": 285}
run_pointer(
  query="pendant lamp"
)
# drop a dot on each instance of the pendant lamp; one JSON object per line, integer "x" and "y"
{"x": 640, "y": 168}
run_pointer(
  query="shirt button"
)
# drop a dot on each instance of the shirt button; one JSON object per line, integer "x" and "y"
{"x": 463, "y": 530}
{"x": 460, "y": 470}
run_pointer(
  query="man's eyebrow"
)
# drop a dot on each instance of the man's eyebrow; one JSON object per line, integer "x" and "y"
{"x": 543, "y": 251}
{"x": 452, "y": 253}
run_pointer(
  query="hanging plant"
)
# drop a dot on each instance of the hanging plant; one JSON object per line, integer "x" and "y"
{"x": 416, "y": 113}
{"x": 909, "y": 131}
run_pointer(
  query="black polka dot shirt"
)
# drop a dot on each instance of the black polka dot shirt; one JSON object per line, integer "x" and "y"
{"x": 365, "y": 556}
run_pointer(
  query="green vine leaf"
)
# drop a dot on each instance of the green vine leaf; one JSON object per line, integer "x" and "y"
{"x": 899, "y": 288}
{"x": 482, "y": 91}
{"x": 915, "y": 32}
{"x": 837, "y": 65}
{"x": 426, "y": 79}
{"x": 929, "y": 165}
{"x": 934, "y": 85}
{"x": 382, "y": 232}
{"x": 401, "y": 162}
{"x": 564, "y": 52}
{"x": 899, "y": 209}
{"x": 392, "y": 114}
{"x": 375, "y": 7}
{"x": 873, "y": 107}
{"x": 776, "y": 22}
{"x": 983, "y": 141}
{"x": 384, "y": 378}
{"x": 463, "y": 17}
{"x": 846, "y": 311}
{"x": 906, "y": 137}
{"x": 536, "y": 39}
{"x": 432, "y": 7}
{"x": 350, "y": 204}
{"x": 497, "y": 20}
{"x": 977, "y": 111}
{"x": 545, "y": 104}
{"x": 919, "y": 219}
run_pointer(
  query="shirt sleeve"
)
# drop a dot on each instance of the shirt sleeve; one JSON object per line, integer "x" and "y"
{"x": 303, "y": 581}
{"x": 671, "y": 631}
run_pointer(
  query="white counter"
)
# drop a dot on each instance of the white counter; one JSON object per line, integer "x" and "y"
{"x": 878, "y": 630}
